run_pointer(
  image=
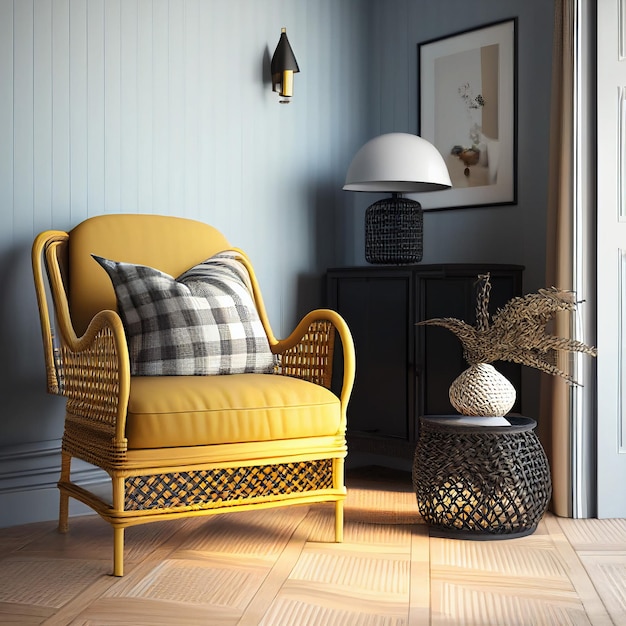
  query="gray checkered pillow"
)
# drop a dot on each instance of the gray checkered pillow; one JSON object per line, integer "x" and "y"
{"x": 202, "y": 323}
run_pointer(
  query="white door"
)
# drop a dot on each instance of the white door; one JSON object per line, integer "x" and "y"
{"x": 611, "y": 258}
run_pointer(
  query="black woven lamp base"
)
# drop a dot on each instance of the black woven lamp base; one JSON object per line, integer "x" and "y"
{"x": 394, "y": 231}
{"x": 480, "y": 482}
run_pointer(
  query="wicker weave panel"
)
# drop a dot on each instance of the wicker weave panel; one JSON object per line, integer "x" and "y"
{"x": 482, "y": 390}
{"x": 91, "y": 444}
{"x": 312, "y": 358}
{"x": 394, "y": 231}
{"x": 229, "y": 484}
{"x": 90, "y": 381}
{"x": 481, "y": 482}
{"x": 92, "y": 373}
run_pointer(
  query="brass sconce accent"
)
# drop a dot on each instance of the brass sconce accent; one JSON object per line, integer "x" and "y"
{"x": 283, "y": 67}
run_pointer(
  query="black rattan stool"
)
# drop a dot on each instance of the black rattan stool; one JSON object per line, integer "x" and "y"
{"x": 480, "y": 482}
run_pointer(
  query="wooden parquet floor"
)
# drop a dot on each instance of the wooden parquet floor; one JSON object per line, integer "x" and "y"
{"x": 278, "y": 568}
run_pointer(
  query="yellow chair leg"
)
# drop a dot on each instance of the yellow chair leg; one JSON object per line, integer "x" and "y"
{"x": 64, "y": 513}
{"x": 64, "y": 504}
{"x": 339, "y": 521}
{"x": 118, "y": 552}
{"x": 338, "y": 483}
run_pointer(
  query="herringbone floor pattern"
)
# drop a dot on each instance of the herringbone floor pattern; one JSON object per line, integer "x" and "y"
{"x": 278, "y": 568}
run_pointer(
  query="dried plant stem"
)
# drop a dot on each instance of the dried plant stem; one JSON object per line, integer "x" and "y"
{"x": 517, "y": 331}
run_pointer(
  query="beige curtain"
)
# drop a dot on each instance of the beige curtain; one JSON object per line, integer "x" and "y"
{"x": 554, "y": 420}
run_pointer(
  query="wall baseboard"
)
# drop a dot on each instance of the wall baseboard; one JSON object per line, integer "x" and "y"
{"x": 28, "y": 482}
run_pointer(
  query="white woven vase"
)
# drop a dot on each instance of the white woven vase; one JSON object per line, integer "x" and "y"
{"x": 482, "y": 391}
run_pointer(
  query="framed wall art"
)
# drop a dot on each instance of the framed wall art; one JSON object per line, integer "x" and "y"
{"x": 468, "y": 110}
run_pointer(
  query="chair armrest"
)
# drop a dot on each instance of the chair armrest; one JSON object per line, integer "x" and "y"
{"x": 95, "y": 378}
{"x": 308, "y": 351}
{"x": 91, "y": 371}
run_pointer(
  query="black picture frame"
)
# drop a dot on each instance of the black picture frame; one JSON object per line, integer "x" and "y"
{"x": 467, "y": 108}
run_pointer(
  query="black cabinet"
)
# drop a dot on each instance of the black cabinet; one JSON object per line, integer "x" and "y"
{"x": 404, "y": 371}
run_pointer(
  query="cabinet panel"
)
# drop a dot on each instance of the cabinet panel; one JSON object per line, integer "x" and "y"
{"x": 441, "y": 352}
{"x": 376, "y": 311}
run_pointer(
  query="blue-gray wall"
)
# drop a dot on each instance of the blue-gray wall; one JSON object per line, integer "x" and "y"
{"x": 164, "y": 106}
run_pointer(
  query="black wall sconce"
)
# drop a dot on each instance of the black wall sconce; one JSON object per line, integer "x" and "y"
{"x": 283, "y": 67}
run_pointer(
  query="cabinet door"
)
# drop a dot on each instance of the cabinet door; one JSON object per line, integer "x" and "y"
{"x": 441, "y": 352}
{"x": 379, "y": 312}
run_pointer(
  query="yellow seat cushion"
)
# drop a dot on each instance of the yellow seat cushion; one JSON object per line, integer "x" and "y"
{"x": 171, "y": 411}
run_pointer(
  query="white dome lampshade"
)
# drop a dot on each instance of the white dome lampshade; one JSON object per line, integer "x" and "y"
{"x": 397, "y": 163}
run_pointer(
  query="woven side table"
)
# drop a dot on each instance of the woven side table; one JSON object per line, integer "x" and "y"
{"x": 480, "y": 482}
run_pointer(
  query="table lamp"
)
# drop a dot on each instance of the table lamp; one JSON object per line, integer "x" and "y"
{"x": 397, "y": 163}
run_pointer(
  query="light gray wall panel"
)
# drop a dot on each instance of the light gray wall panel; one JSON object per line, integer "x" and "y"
{"x": 23, "y": 144}
{"x": 6, "y": 121}
{"x": 42, "y": 114}
{"x": 28, "y": 482}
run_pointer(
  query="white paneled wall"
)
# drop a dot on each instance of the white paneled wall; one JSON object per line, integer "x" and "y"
{"x": 165, "y": 106}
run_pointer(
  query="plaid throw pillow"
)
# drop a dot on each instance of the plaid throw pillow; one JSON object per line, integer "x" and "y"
{"x": 202, "y": 323}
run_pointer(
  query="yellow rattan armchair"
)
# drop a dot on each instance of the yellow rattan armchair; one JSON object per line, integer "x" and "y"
{"x": 246, "y": 440}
